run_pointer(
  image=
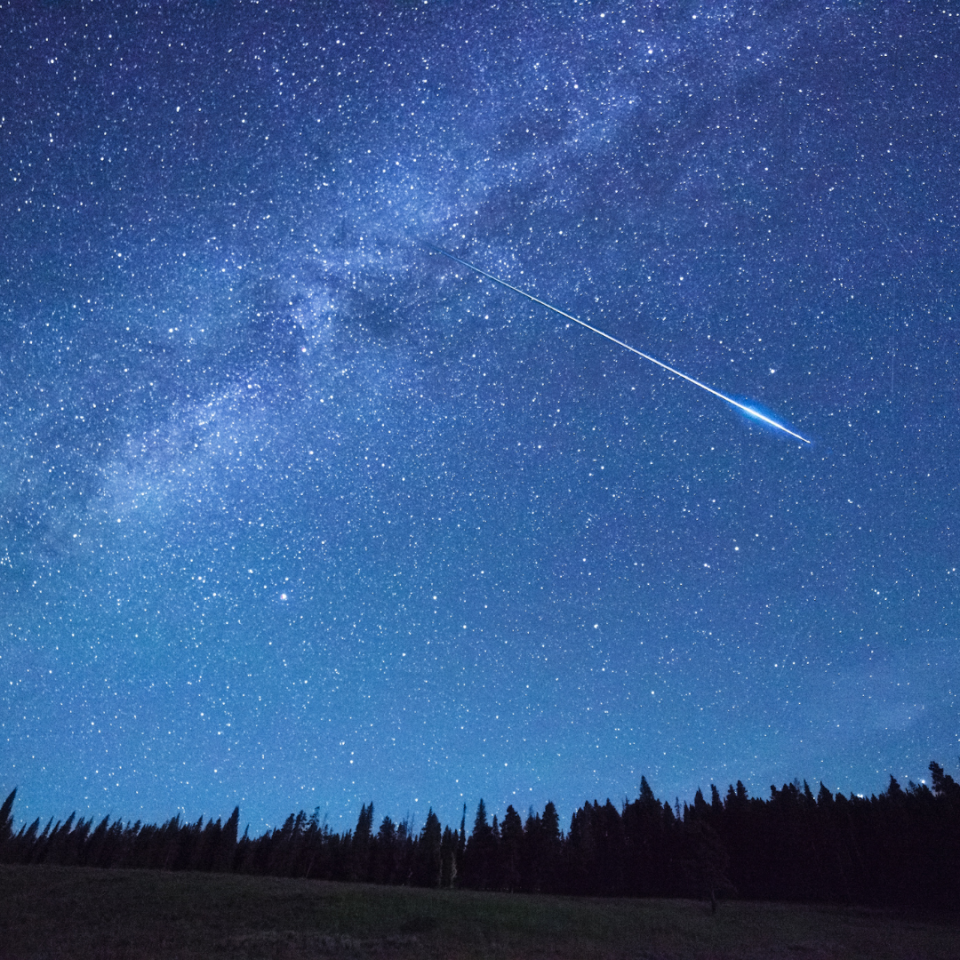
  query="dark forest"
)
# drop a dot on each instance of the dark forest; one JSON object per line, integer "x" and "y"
{"x": 901, "y": 848}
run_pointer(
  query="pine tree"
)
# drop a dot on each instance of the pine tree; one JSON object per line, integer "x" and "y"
{"x": 511, "y": 849}
{"x": 581, "y": 854}
{"x": 551, "y": 839}
{"x": 448, "y": 858}
{"x": 406, "y": 848}
{"x": 383, "y": 853}
{"x": 56, "y": 848}
{"x": 531, "y": 854}
{"x": 360, "y": 848}
{"x": 25, "y": 843}
{"x": 208, "y": 846}
{"x": 478, "y": 858}
{"x": 6, "y": 820}
{"x": 227, "y": 850}
{"x": 428, "y": 863}
{"x": 611, "y": 841}
{"x": 943, "y": 784}
{"x": 93, "y": 854}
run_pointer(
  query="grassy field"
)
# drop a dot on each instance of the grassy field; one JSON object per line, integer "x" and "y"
{"x": 66, "y": 913}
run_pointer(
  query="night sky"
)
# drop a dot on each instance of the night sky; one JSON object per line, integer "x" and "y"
{"x": 297, "y": 513}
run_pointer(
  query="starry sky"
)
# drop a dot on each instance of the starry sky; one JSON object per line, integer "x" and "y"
{"x": 297, "y": 513}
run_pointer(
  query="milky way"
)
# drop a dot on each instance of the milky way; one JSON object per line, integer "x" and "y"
{"x": 294, "y": 516}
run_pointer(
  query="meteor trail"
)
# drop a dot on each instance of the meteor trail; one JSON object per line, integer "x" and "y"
{"x": 756, "y": 414}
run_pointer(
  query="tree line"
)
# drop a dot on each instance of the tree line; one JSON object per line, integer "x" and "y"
{"x": 899, "y": 848}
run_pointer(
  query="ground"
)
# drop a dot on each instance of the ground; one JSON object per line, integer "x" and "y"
{"x": 67, "y": 913}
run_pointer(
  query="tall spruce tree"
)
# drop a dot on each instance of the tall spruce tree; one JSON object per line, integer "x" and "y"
{"x": 360, "y": 848}
{"x": 530, "y": 866}
{"x": 511, "y": 850}
{"x": 478, "y": 857}
{"x": 227, "y": 850}
{"x": 551, "y": 840}
{"x": 383, "y": 853}
{"x": 427, "y": 862}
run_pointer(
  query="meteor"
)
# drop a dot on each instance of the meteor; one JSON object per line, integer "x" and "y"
{"x": 756, "y": 414}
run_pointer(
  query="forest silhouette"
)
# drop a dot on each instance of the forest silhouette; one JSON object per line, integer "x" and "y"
{"x": 900, "y": 848}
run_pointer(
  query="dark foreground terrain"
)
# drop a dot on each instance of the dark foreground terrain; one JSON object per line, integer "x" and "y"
{"x": 67, "y": 912}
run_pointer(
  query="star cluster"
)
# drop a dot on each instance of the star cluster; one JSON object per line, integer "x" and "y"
{"x": 297, "y": 513}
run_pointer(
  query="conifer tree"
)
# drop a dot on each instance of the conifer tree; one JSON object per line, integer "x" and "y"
{"x": 551, "y": 839}
{"x": 428, "y": 862}
{"x": 530, "y": 865}
{"x": 448, "y": 858}
{"x": 611, "y": 841}
{"x": 511, "y": 850}
{"x": 227, "y": 849}
{"x": 943, "y": 784}
{"x": 580, "y": 852}
{"x": 6, "y": 820}
{"x": 93, "y": 853}
{"x": 383, "y": 853}
{"x": 478, "y": 858}
{"x": 207, "y": 846}
{"x": 406, "y": 848}
{"x": 360, "y": 848}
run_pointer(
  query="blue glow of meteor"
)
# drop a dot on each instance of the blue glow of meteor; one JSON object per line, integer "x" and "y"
{"x": 756, "y": 414}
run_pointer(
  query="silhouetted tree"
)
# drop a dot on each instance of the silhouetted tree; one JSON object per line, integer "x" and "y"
{"x": 480, "y": 853}
{"x": 360, "y": 850}
{"x": 551, "y": 847}
{"x": 511, "y": 850}
{"x": 581, "y": 853}
{"x": 646, "y": 857}
{"x": 406, "y": 852}
{"x": 93, "y": 853}
{"x": 6, "y": 820}
{"x": 383, "y": 853}
{"x": 531, "y": 880}
{"x": 428, "y": 861}
{"x": 227, "y": 850}
{"x": 943, "y": 784}
{"x": 448, "y": 858}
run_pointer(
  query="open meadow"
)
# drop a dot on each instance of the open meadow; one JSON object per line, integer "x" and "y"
{"x": 67, "y": 912}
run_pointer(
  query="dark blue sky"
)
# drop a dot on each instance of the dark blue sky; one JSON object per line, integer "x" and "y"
{"x": 297, "y": 513}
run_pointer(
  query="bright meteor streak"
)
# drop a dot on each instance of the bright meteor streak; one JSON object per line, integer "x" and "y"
{"x": 756, "y": 414}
